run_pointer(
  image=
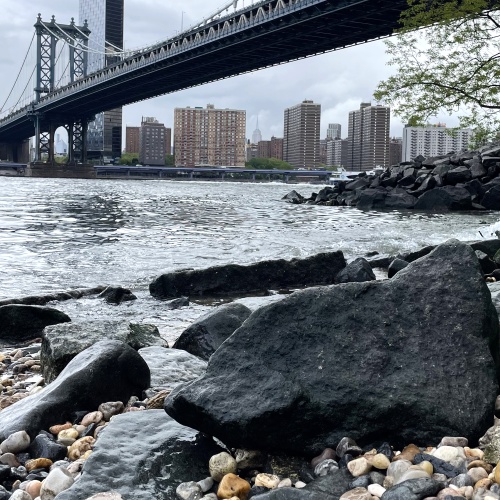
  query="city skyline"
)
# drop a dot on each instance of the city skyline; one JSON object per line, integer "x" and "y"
{"x": 339, "y": 81}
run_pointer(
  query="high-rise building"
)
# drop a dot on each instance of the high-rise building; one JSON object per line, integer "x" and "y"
{"x": 257, "y": 135}
{"x": 395, "y": 150}
{"x": 433, "y": 140}
{"x": 152, "y": 142}
{"x": 105, "y": 20}
{"x": 210, "y": 136}
{"x": 302, "y": 135}
{"x": 336, "y": 152}
{"x": 368, "y": 136}
{"x": 132, "y": 139}
{"x": 333, "y": 131}
{"x": 168, "y": 141}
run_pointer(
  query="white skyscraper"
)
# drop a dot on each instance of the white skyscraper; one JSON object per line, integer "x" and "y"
{"x": 256, "y": 136}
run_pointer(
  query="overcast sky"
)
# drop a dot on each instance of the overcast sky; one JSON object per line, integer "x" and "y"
{"x": 339, "y": 81}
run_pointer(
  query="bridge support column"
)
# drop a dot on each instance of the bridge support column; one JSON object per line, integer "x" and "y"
{"x": 77, "y": 141}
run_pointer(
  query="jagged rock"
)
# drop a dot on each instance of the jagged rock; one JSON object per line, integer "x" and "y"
{"x": 359, "y": 183}
{"x": 143, "y": 455}
{"x": 395, "y": 266}
{"x": 116, "y": 295}
{"x": 371, "y": 199}
{"x": 207, "y": 333}
{"x": 233, "y": 278}
{"x": 107, "y": 371}
{"x": 458, "y": 175}
{"x": 491, "y": 199}
{"x": 444, "y": 199}
{"x": 61, "y": 343}
{"x": 476, "y": 168}
{"x": 177, "y": 303}
{"x": 487, "y": 265}
{"x": 171, "y": 367}
{"x": 325, "y": 355}
{"x": 357, "y": 271}
{"x": 294, "y": 197}
{"x": 329, "y": 487}
{"x": 399, "y": 199}
{"x": 413, "y": 489}
{"x": 19, "y": 323}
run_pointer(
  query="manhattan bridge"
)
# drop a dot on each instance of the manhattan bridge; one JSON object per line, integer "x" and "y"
{"x": 56, "y": 89}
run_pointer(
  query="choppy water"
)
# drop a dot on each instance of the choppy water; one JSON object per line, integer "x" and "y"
{"x": 57, "y": 234}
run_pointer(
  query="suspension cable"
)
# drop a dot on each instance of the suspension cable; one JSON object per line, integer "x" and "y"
{"x": 18, "y": 75}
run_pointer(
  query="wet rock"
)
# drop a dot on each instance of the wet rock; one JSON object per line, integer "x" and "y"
{"x": 303, "y": 412}
{"x": 44, "y": 447}
{"x": 177, "y": 303}
{"x": 232, "y": 485}
{"x": 143, "y": 455}
{"x": 357, "y": 271}
{"x": 293, "y": 197}
{"x": 109, "y": 370}
{"x": 116, "y": 295}
{"x": 395, "y": 266}
{"x": 399, "y": 199}
{"x": 207, "y": 333}
{"x": 413, "y": 489}
{"x": 259, "y": 277}
{"x": 62, "y": 343}
{"x": 221, "y": 464}
{"x": 21, "y": 322}
{"x": 171, "y": 367}
{"x": 444, "y": 198}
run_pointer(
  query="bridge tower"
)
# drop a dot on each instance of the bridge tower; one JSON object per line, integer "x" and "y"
{"x": 48, "y": 34}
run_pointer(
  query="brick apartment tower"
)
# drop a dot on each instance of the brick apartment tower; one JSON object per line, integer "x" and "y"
{"x": 368, "y": 136}
{"x": 132, "y": 139}
{"x": 302, "y": 135}
{"x": 209, "y": 136}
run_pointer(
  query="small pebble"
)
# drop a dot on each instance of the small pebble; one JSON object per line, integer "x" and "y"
{"x": 221, "y": 464}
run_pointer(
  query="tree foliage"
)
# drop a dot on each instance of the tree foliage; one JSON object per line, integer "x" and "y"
{"x": 268, "y": 164}
{"x": 129, "y": 159}
{"x": 451, "y": 65}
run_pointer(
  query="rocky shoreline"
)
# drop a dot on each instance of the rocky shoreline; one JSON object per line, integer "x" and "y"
{"x": 456, "y": 181}
{"x": 356, "y": 389}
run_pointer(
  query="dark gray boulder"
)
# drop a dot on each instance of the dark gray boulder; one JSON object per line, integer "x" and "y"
{"x": 107, "y": 371}
{"x": 357, "y": 271}
{"x": 399, "y": 199}
{"x": 491, "y": 199}
{"x": 236, "y": 279}
{"x": 413, "y": 489}
{"x": 293, "y": 197}
{"x": 171, "y": 367}
{"x": 458, "y": 174}
{"x": 207, "y": 333}
{"x": 371, "y": 199}
{"x": 61, "y": 343}
{"x": 358, "y": 183}
{"x": 19, "y": 323}
{"x": 487, "y": 264}
{"x": 444, "y": 198}
{"x": 330, "y": 487}
{"x": 395, "y": 266}
{"x": 116, "y": 295}
{"x": 143, "y": 455}
{"x": 476, "y": 168}
{"x": 357, "y": 360}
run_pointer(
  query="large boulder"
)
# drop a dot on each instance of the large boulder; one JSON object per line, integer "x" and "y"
{"x": 445, "y": 198}
{"x": 143, "y": 455}
{"x": 372, "y": 199}
{"x": 61, "y": 343}
{"x": 234, "y": 278}
{"x": 107, "y": 371}
{"x": 491, "y": 199}
{"x": 171, "y": 367}
{"x": 373, "y": 361}
{"x": 19, "y": 323}
{"x": 207, "y": 333}
{"x": 399, "y": 199}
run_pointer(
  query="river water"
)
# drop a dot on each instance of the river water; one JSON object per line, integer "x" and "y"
{"x": 58, "y": 234}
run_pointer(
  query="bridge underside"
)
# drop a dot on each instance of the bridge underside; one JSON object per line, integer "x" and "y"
{"x": 319, "y": 28}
